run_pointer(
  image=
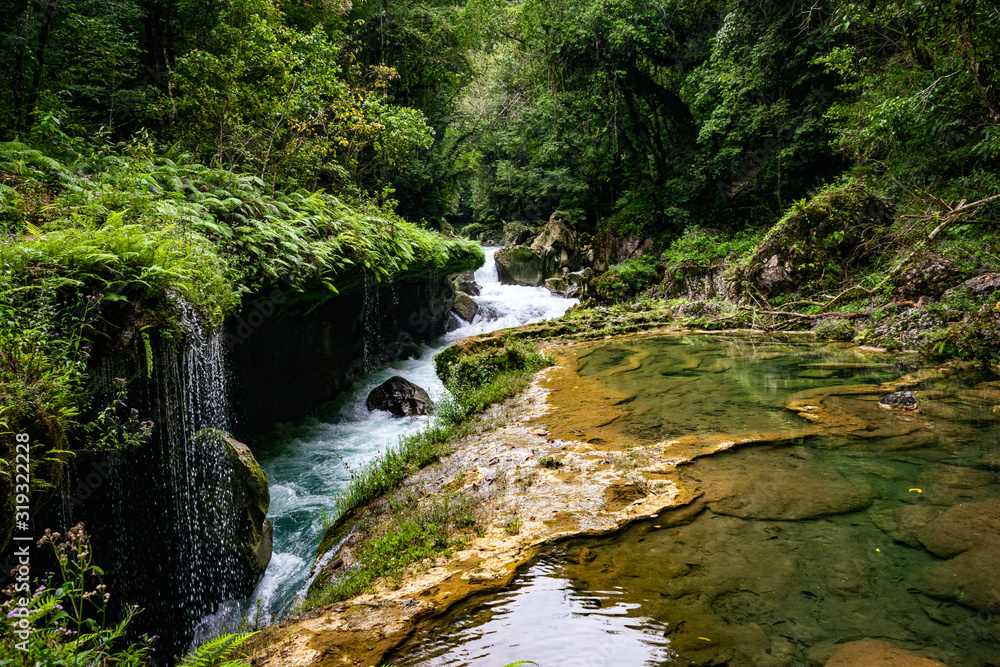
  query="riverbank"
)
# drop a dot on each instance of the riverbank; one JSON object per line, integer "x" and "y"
{"x": 551, "y": 470}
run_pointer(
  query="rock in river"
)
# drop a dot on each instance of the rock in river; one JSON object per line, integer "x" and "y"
{"x": 968, "y": 535}
{"x": 400, "y": 397}
{"x": 899, "y": 399}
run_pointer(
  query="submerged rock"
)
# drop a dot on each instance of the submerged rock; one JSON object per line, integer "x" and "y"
{"x": 875, "y": 653}
{"x": 903, "y": 524}
{"x": 899, "y": 399}
{"x": 400, "y": 397}
{"x": 969, "y": 535}
{"x": 775, "y": 486}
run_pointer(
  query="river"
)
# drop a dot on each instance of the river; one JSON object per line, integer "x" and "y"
{"x": 309, "y": 462}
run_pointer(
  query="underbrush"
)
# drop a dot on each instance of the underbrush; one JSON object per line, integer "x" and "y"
{"x": 416, "y": 531}
{"x": 127, "y": 234}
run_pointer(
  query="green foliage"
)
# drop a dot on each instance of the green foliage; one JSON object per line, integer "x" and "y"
{"x": 698, "y": 246}
{"x": 551, "y": 462}
{"x": 417, "y": 532}
{"x": 67, "y": 615}
{"x": 217, "y": 652}
{"x": 628, "y": 279}
{"x": 975, "y": 337}
{"x": 480, "y": 378}
{"x": 513, "y": 527}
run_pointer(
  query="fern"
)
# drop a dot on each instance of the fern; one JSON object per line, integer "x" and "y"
{"x": 216, "y": 653}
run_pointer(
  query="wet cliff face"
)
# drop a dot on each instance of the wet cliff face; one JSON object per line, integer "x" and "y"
{"x": 287, "y": 358}
{"x": 178, "y": 523}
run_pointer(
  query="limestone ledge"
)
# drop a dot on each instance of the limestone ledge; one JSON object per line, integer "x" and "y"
{"x": 587, "y": 495}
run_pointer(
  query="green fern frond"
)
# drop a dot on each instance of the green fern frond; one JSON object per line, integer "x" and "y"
{"x": 216, "y": 652}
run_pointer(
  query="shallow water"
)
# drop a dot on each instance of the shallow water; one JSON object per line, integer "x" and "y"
{"x": 789, "y": 548}
{"x": 308, "y": 463}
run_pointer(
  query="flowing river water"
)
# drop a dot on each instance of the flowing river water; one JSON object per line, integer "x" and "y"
{"x": 835, "y": 519}
{"x": 308, "y": 463}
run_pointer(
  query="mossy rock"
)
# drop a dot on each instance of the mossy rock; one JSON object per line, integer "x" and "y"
{"x": 832, "y": 232}
{"x": 520, "y": 265}
{"x": 250, "y": 499}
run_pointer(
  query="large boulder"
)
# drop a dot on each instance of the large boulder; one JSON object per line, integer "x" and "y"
{"x": 968, "y": 535}
{"x": 465, "y": 306}
{"x": 927, "y": 274}
{"x": 832, "y": 231}
{"x": 519, "y": 265}
{"x": 556, "y": 245}
{"x": 552, "y": 252}
{"x": 400, "y": 397}
{"x": 247, "y": 501}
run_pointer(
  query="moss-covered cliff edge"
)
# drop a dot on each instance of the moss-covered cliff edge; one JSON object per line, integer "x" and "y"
{"x": 110, "y": 256}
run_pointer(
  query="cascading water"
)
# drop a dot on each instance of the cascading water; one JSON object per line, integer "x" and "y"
{"x": 163, "y": 515}
{"x": 196, "y": 398}
{"x": 308, "y": 463}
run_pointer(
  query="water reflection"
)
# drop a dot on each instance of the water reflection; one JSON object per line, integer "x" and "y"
{"x": 544, "y": 618}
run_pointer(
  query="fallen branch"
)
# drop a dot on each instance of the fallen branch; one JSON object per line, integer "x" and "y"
{"x": 819, "y": 316}
{"x": 946, "y": 218}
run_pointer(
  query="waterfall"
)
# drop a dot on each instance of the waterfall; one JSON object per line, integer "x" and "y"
{"x": 163, "y": 515}
{"x": 305, "y": 463}
{"x": 195, "y": 396}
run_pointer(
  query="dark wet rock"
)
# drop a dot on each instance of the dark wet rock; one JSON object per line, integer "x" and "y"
{"x": 903, "y": 524}
{"x": 465, "y": 306}
{"x": 454, "y": 322}
{"x": 876, "y": 653}
{"x": 799, "y": 489}
{"x": 904, "y": 400}
{"x": 400, "y": 397}
{"x": 466, "y": 283}
{"x": 519, "y": 265}
{"x": 927, "y": 274}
